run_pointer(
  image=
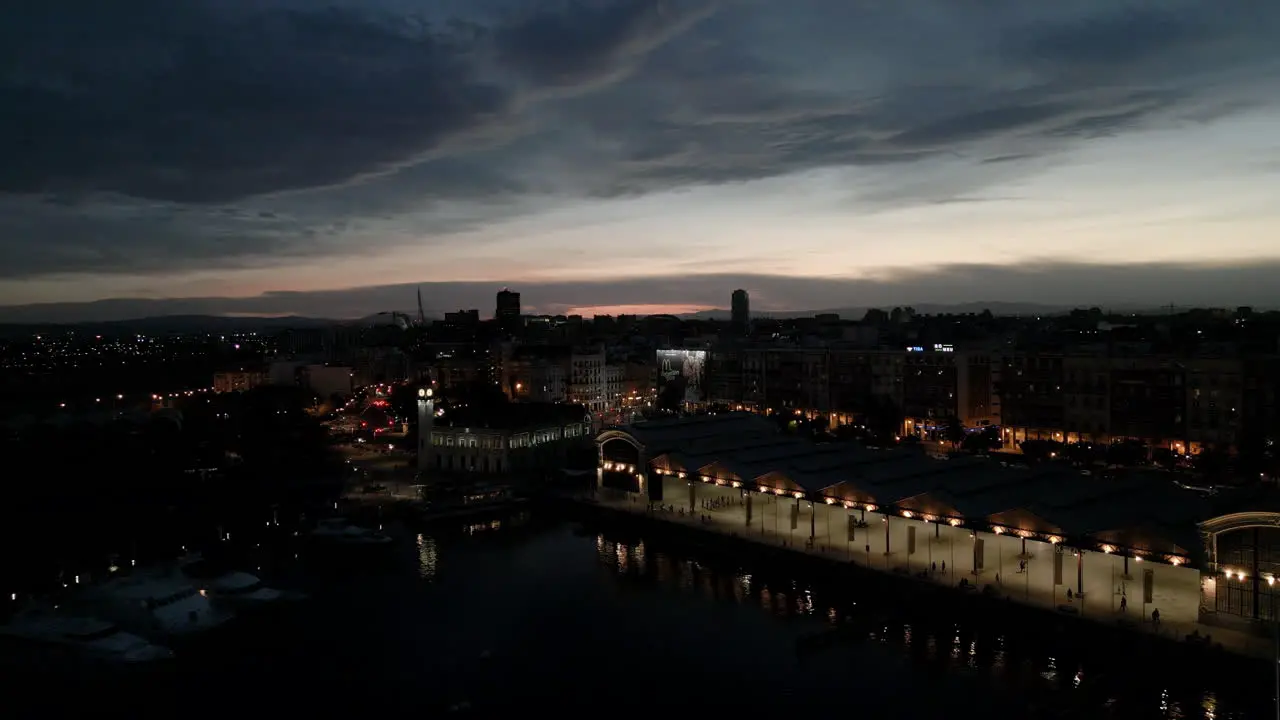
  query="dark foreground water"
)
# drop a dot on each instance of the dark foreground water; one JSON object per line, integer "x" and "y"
{"x": 537, "y": 614}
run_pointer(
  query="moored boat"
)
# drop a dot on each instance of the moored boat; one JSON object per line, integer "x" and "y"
{"x": 156, "y": 605}
{"x": 46, "y": 638}
{"x": 342, "y": 533}
{"x": 232, "y": 589}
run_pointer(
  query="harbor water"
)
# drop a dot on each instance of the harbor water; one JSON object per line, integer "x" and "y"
{"x": 536, "y": 611}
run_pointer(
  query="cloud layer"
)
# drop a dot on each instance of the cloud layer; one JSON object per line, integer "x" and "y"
{"x": 1142, "y": 287}
{"x": 156, "y": 137}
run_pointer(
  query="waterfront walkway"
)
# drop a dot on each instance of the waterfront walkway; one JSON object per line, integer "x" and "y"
{"x": 938, "y": 558}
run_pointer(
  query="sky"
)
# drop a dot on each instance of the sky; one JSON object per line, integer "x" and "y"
{"x": 297, "y": 157}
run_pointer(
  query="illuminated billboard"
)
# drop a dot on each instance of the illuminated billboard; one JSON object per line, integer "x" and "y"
{"x": 682, "y": 376}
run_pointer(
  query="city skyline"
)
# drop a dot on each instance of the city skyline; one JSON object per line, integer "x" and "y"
{"x": 1056, "y": 292}
{"x": 611, "y": 155}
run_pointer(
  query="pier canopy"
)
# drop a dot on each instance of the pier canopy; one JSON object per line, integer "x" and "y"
{"x": 850, "y": 492}
{"x": 1021, "y": 521}
{"x": 673, "y": 464}
{"x": 1142, "y": 514}
{"x": 930, "y": 506}
{"x": 778, "y": 480}
{"x": 1147, "y": 540}
{"x": 726, "y": 470}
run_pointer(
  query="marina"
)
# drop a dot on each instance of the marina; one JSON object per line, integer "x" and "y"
{"x": 452, "y": 610}
{"x": 45, "y": 638}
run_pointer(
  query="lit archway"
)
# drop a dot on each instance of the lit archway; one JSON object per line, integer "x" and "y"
{"x": 1243, "y": 550}
{"x": 622, "y": 464}
{"x": 618, "y": 435}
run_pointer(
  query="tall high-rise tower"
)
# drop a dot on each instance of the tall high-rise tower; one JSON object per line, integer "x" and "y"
{"x": 507, "y": 312}
{"x": 422, "y": 316}
{"x": 740, "y": 309}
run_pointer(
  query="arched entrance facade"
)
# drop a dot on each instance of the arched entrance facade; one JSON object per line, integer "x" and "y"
{"x": 1243, "y": 551}
{"x": 622, "y": 463}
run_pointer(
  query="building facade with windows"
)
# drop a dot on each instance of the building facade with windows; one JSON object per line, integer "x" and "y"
{"x": 503, "y": 438}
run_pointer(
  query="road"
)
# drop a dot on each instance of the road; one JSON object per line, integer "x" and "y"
{"x": 395, "y": 470}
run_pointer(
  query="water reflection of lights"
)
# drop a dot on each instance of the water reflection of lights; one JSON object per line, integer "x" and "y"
{"x": 620, "y": 552}
{"x": 1209, "y": 703}
{"x": 786, "y": 596}
{"x": 1051, "y": 672}
{"x": 997, "y": 659}
{"x": 428, "y": 557}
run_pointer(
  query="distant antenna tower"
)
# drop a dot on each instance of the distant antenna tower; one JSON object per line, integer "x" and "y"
{"x": 422, "y": 316}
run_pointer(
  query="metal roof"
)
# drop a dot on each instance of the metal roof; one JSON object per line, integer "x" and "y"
{"x": 1045, "y": 499}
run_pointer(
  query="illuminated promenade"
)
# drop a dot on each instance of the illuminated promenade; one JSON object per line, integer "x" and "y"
{"x": 1111, "y": 551}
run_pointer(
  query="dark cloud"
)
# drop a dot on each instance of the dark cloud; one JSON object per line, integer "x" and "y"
{"x": 910, "y": 81}
{"x": 1039, "y": 286}
{"x": 182, "y": 102}
{"x": 120, "y": 234}
{"x": 154, "y": 135}
{"x": 224, "y": 107}
{"x": 974, "y": 125}
{"x": 1116, "y": 36}
{"x": 568, "y": 43}
{"x": 124, "y": 116}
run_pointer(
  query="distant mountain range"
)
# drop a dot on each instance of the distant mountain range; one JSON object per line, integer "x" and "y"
{"x": 171, "y": 324}
{"x": 856, "y": 313}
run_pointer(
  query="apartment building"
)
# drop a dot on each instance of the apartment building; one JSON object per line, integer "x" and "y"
{"x": 839, "y": 382}
{"x": 1126, "y": 392}
{"x": 238, "y": 380}
{"x": 724, "y": 377}
{"x": 1086, "y": 398}
{"x": 614, "y": 381}
{"x": 1149, "y": 401}
{"x": 865, "y": 378}
{"x": 1215, "y": 399}
{"x": 977, "y": 373}
{"x": 1032, "y": 406}
{"x": 588, "y": 379}
{"x": 787, "y": 379}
